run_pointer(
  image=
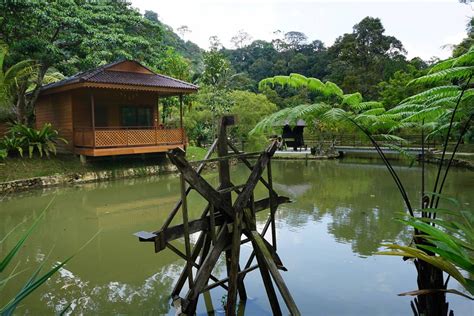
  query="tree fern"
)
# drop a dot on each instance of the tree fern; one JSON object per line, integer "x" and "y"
{"x": 362, "y": 106}
{"x": 407, "y": 107}
{"x": 434, "y": 93}
{"x": 332, "y": 89}
{"x": 315, "y": 85}
{"x": 352, "y": 99}
{"x": 297, "y": 81}
{"x": 445, "y": 64}
{"x": 428, "y": 114}
{"x": 466, "y": 59}
{"x": 457, "y": 73}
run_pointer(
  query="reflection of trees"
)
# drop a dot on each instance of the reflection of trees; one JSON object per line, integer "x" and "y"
{"x": 360, "y": 199}
{"x": 150, "y": 297}
{"x": 114, "y": 266}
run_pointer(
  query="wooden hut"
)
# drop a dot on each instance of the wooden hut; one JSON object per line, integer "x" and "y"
{"x": 112, "y": 110}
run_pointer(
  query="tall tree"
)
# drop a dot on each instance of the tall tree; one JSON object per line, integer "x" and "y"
{"x": 360, "y": 59}
{"x": 74, "y": 35}
{"x": 241, "y": 39}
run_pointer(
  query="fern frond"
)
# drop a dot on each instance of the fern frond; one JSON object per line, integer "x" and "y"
{"x": 403, "y": 125}
{"x": 280, "y": 80}
{"x": 392, "y": 137}
{"x": 333, "y": 89}
{"x": 264, "y": 83}
{"x": 436, "y": 92}
{"x": 445, "y": 64}
{"x": 334, "y": 115}
{"x": 457, "y": 73}
{"x": 438, "y": 130}
{"x": 393, "y": 116}
{"x": 352, "y": 99}
{"x": 367, "y": 105}
{"x": 297, "y": 80}
{"x": 376, "y": 111}
{"x": 466, "y": 59}
{"x": 428, "y": 114}
{"x": 407, "y": 107}
{"x": 316, "y": 85}
{"x": 313, "y": 110}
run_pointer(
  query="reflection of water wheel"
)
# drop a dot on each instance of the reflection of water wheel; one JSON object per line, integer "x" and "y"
{"x": 221, "y": 226}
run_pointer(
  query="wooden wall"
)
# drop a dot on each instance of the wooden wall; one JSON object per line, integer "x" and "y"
{"x": 57, "y": 110}
{"x": 114, "y": 100}
{"x": 72, "y": 109}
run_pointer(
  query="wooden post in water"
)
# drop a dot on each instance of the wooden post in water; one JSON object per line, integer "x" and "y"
{"x": 221, "y": 227}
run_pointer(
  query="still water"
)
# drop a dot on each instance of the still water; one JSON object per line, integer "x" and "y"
{"x": 341, "y": 212}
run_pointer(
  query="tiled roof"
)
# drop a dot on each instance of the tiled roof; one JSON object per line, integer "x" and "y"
{"x": 103, "y": 75}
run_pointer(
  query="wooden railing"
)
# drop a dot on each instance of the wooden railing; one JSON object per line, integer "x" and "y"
{"x": 103, "y": 137}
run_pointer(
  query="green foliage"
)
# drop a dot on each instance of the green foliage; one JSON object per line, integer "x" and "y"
{"x": 216, "y": 69}
{"x": 75, "y": 35}
{"x": 451, "y": 240}
{"x": 433, "y": 107}
{"x": 330, "y": 114}
{"x": 297, "y": 81}
{"x": 249, "y": 108}
{"x": 210, "y": 103}
{"x": 352, "y": 99}
{"x": 21, "y": 137}
{"x": 441, "y": 76}
{"x": 365, "y": 57}
{"x": 13, "y": 77}
{"x": 12, "y": 144}
{"x": 395, "y": 90}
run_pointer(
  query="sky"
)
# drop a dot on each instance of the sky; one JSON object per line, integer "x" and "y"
{"x": 423, "y": 26}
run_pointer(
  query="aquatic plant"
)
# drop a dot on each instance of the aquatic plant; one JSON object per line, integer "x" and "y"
{"x": 36, "y": 279}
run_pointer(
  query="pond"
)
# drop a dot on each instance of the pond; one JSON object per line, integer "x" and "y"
{"x": 327, "y": 238}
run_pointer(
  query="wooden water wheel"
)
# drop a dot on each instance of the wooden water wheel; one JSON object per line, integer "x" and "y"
{"x": 223, "y": 227}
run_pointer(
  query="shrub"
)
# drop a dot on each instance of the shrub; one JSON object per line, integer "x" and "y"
{"x": 21, "y": 137}
{"x": 12, "y": 145}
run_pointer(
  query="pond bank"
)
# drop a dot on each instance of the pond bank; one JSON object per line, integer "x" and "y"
{"x": 69, "y": 172}
{"x": 162, "y": 167}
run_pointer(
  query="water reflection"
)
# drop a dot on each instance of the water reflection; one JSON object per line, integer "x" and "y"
{"x": 341, "y": 212}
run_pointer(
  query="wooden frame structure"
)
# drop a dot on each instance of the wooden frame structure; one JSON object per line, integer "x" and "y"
{"x": 223, "y": 227}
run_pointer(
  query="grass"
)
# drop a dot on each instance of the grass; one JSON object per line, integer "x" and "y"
{"x": 14, "y": 168}
{"x": 195, "y": 153}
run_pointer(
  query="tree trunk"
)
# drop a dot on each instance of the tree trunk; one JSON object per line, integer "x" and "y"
{"x": 30, "y": 103}
{"x": 430, "y": 277}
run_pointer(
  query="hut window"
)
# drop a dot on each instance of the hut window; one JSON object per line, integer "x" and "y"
{"x": 136, "y": 116}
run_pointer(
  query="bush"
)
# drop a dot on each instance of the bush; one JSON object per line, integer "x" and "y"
{"x": 12, "y": 145}
{"x": 21, "y": 137}
{"x": 3, "y": 154}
